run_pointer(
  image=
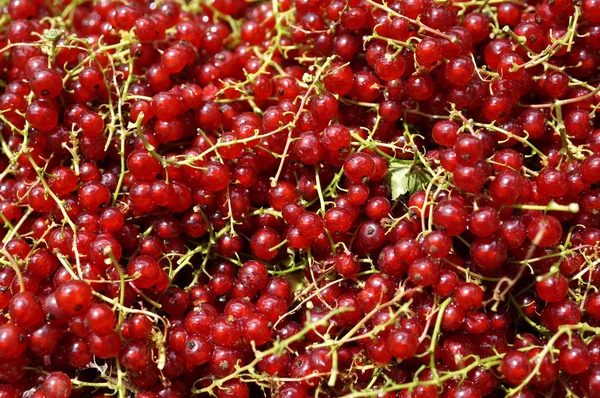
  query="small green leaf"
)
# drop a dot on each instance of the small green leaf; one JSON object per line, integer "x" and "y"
{"x": 399, "y": 181}
{"x": 406, "y": 178}
{"x": 53, "y": 34}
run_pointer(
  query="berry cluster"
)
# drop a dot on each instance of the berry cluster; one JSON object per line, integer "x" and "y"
{"x": 297, "y": 198}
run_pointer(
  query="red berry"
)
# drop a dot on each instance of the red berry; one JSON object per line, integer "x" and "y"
{"x": 57, "y": 385}
{"x": 74, "y": 297}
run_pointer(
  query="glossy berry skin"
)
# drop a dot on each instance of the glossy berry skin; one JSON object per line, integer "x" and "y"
{"x": 590, "y": 380}
{"x": 25, "y": 310}
{"x": 408, "y": 250}
{"x": 468, "y": 178}
{"x": 389, "y": 67}
{"x": 420, "y": 88}
{"x": 505, "y": 187}
{"x": 450, "y": 217}
{"x": 552, "y": 183}
{"x": 544, "y": 231}
{"x": 423, "y": 272}
{"x": 310, "y": 225}
{"x": 335, "y": 137}
{"x": 464, "y": 389}
{"x": 46, "y": 83}
{"x": 459, "y": 70}
{"x": 225, "y": 332}
{"x": 496, "y": 107}
{"x": 63, "y": 180}
{"x": 564, "y": 312}
{"x": 106, "y": 346}
{"x": 234, "y": 388}
{"x": 552, "y": 289}
{"x": 147, "y": 268}
{"x": 282, "y": 194}
{"x": 42, "y": 115}
{"x": 93, "y": 196}
{"x": 143, "y": 165}
{"x": 74, "y": 297}
{"x": 509, "y": 66}
{"x": 13, "y": 341}
{"x": 484, "y": 222}
{"x": 590, "y": 168}
{"x": 57, "y": 385}
{"x": 592, "y": 305}
{"x": 263, "y": 243}
{"x": 437, "y": 244}
{"x": 468, "y": 296}
{"x": 359, "y": 167}
{"x": 197, "y": 350}
{"x": 337, "y": 219}
{"x": 428, "y": 51}
{"x": 515, "y": 366}
{"x": 254, "y": 275}
{"x": 445, "y": 132}
{"x": 402, "y": 344}
{"x": 371, "y": 234}
{"x": 513, "y": 232}
{"x": 134, "y": 355}
{"x": 224, "y": 360}
{"x": 256, "y": 328}
{"x": 574, "y": 359}
{"x": 378, "y": 207}
{"x": 507, "y": 159}
{"x": 101, "y": 319}
{"x": 489, "y": 252}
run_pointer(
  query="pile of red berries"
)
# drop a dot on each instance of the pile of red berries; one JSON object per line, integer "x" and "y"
{"x": 298, "y": 198}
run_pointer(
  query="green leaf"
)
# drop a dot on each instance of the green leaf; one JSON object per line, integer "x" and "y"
{"x": 406, "y": 178}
